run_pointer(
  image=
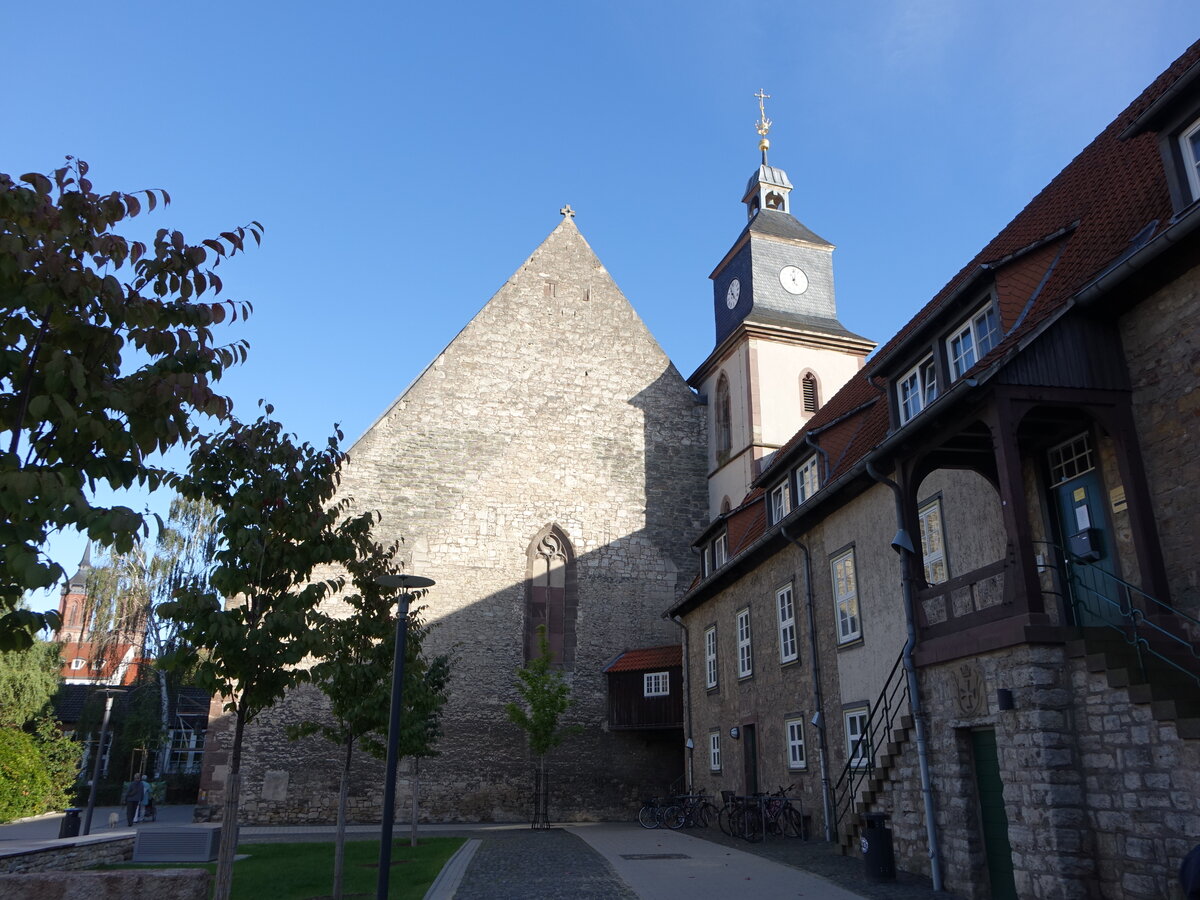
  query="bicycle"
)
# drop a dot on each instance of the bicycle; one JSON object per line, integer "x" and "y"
{"x": 780, "y": 817}
{"x": 741, "y": 817}
{"x": 653, "y": 813}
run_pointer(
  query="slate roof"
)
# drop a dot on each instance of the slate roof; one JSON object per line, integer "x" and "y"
{"x": 648, "y": 659}
{"x": 1108, "y": 202}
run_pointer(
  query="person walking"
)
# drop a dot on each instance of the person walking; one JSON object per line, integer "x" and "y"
{"x": 135, "y": 798}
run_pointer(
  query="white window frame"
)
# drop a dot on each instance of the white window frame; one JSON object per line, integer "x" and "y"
{"x": 1191, "y": 157}
{"x": 933, "y": 552}
{"x": 808, "y": 479}
{"x": 973, "y": 339}
{"x": 793, "y": 734}
{"x": 714, "y": 751}
{"x": 855, "y": 723}
{"x": 656, "y": 684}
{"x": 706, "y": 561}
{"x": 785, "y": 605}
{"x": 781, "y": 497}
{"x": 711, "y": 672}
{"x": 745, "y": 650}
{"x": 845, "y": 597}
{"x": 720, "y": 551}
{"x": 916, "y": 389}
{"x": 78, "y": 663}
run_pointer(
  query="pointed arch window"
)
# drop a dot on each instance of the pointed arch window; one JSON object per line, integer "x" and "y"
{"x": 724, "y": 423}
{"x": 808, "y": 392}
{"x": 551, "y": 596}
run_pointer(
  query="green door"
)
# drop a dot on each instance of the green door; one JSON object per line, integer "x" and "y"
{"x": 992, "y": 815}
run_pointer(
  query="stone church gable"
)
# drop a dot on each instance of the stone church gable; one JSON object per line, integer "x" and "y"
{"x": 554, "y": 412}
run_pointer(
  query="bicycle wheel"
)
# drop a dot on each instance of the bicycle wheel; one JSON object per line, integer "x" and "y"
{"x": 648, "y": 816}
{"x": 673, "y": 817}
{"x": 706, "y": 815}
{"x": 752, "y": 825}
{"x": 792, "y": 824}
{"x": 725, "y": 821}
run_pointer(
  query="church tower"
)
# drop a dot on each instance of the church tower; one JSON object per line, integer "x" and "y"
{"x": 780, "y": 350}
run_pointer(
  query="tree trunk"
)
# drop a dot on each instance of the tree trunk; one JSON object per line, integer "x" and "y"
{"x": 415, "y": 784}
{"x": 229, "y": 818}
{"x": 164, "y": 704}
{"x": 339, "y": 841}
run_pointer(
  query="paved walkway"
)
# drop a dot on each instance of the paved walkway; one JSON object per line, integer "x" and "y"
{"x": 580, "y": 861}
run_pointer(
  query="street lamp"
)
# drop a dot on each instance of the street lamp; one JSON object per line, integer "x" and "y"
{"x": 109, "y": 694}
{"x": 407, "y": 584}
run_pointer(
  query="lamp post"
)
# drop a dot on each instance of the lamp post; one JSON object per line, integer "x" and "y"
{"x": 109, "y": 694}
{"x": 407, "y": 584}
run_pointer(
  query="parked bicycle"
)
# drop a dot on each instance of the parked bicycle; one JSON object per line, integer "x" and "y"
{"x": 780, "y": 816}
{"x": 655, "y": 812}
{"x": 741, "y": 817}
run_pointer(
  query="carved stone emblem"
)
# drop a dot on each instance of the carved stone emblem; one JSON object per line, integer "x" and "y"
{"x": 968, "y": 688}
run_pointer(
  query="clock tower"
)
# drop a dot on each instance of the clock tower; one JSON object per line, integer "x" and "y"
{"x": 780, "y": 350}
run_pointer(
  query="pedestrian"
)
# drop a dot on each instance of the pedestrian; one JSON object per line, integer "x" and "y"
{"x": 135, "y": 796}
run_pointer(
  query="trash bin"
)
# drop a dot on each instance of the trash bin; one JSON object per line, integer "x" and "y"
{"x": 878, "y": 857}
{"x": 69, "y": 827}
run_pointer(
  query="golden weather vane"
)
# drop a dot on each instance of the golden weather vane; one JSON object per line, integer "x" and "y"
{"x": 763, "y": 125}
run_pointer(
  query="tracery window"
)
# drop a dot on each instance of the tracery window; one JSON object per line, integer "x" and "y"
{"x": 551, "y": 596}
{"x": 724, "y": 422}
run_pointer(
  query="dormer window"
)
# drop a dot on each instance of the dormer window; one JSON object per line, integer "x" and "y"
{"x": 972, "y": 340}
{"x": 780, "y": 501}
{"x": 917, "y": 389}
{"x": 1189, "y": 145}
{"x": 77, "y": 663}
{"x": 807, "y": 480}
{"x": 719, "y": 552}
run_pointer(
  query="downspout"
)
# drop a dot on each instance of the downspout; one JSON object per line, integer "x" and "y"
{"x": 818, "y": 718}
{"x": 808, "y": 439}
{"x": 687, "y": 703}
{"x": 902, "y": 544}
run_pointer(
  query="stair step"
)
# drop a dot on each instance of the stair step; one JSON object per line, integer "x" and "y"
{"x": 1165, "y": 710}
{"x": 1188, "y": 728}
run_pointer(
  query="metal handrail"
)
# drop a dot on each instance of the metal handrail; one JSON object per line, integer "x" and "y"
{"x": 1132, "y": 613}
{"x": 893, "y": 700}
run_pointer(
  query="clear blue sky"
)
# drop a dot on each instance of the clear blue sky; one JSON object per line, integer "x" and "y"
{"x": 405, "y": 158}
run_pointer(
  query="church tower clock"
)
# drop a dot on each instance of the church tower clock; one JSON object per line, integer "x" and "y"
{"x": 780, "y": 350}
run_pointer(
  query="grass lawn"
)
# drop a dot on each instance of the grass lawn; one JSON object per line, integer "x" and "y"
{"x": 305, "y": 871}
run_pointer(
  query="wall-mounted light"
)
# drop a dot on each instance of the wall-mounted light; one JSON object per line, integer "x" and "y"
{"x": 688, "y": 743}
{"x": 734, "y": 732}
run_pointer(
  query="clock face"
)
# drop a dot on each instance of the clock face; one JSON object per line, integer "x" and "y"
{"x": 731, "y": 295}
{"x": 793, "y": 279}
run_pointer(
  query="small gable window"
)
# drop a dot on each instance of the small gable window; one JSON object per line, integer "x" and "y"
{"x": 78, "y": 663}
{"x": 807, "y": 479}
{"x": 720, "y": 552}
{"x": 917, "y": 389}
{"x": 780, "y": 501}
{"x": 1189, "y": 144}
{"x": 972, "y": 340}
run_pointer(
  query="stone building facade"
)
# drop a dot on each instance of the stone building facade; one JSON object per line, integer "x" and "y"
{"x": 552, "y": 435}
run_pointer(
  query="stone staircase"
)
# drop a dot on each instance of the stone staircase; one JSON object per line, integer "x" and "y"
{"x": 872, "y": 788}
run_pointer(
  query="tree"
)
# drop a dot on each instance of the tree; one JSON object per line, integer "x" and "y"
{"x": 107, "y": 355}
{"x": 354, "y": 672}
{"x": 126, "y": 589}
{"x": 545, "y": 696}
{"x": 275, "y": 525}
{"x": 28, "y": 682}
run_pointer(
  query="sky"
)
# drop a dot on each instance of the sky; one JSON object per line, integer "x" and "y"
{"x": 405, "y": 159}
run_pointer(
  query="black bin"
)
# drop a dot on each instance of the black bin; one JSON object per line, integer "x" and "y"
{"x": 69, "y": 826}
{"x": 878, "y": 856}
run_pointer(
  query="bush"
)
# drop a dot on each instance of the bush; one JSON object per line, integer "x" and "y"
{"x": 25, "y": 788}
{"x": 183, "y": 788}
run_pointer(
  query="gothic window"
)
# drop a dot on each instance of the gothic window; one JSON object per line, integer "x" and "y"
{"x": 808, "y": 391}
{"x": 724, "y": 419}
{"x": 551, "y": 596}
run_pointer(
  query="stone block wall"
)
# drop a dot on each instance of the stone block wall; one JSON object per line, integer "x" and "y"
{"x": 155, "y": 884}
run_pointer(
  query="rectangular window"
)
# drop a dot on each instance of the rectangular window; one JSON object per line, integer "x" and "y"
{"x": 1189, "y": 143}
{"x": 858, "y": 743}
{"x": 807, "y": 479}
{"x": 780, "y": 501}
{"x": 78, "y": 663}
{"x": 706, "y": 562}
{"x": 917, "y": 389}
{"x": 972, "y": 340}
{"x": 787, "y": 625}
{"x": 656, "y": 684}
{"x": 845, "y": 597}
{"x": 710, "y": 657}
{"x": 719, "y": 552}
{"x": 1071, "y": 459}
{"x": 933, "y": 544}
{"x": 714, "y": 751}
{"x": 794, "y": 729}
{"x": 744, "y": 657}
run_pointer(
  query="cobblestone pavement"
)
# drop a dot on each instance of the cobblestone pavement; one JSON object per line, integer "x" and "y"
{"x": 554, "y": 865}
{"x": 824, "y": 859}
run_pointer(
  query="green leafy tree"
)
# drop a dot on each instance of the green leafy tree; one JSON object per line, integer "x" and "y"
{"x": 545, "y": 697}
{"x": 276, "y": 523}
{"x": 107, "y": 356}
{"x": 355, "y": 673}
{"x": 28, "y": 682}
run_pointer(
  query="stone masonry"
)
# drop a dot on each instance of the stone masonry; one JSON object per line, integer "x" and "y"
{"x": 553, "y": 407}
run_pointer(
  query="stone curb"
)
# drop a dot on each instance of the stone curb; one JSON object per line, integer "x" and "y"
{"x": 451, "y": 876}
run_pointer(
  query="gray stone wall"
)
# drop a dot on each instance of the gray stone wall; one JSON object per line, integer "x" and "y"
{"x": 554, "y": 405}
{"x": 157, "y": 884}
{"x": 75, "y": 853}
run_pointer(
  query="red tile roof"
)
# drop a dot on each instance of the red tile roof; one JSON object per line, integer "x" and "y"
{"x": 649, "y": 658}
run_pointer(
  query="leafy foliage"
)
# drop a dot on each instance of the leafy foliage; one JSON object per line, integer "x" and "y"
{"x": 107, "y": 354}
{"x": 61, "y": 755}
{"x": 28, "y": 682}
{"x": 24, "y": 783}
{"x": 546, "y": 697}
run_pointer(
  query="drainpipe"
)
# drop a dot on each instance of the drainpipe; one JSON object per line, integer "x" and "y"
{"x": 818, "y": 718}
{"x": 687, "y": 703}
{"x": 903, "y": 545}
{"x": 808, "y": 439}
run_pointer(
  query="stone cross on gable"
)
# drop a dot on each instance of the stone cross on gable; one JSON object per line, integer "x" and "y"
{"x": 567, "y": 211}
